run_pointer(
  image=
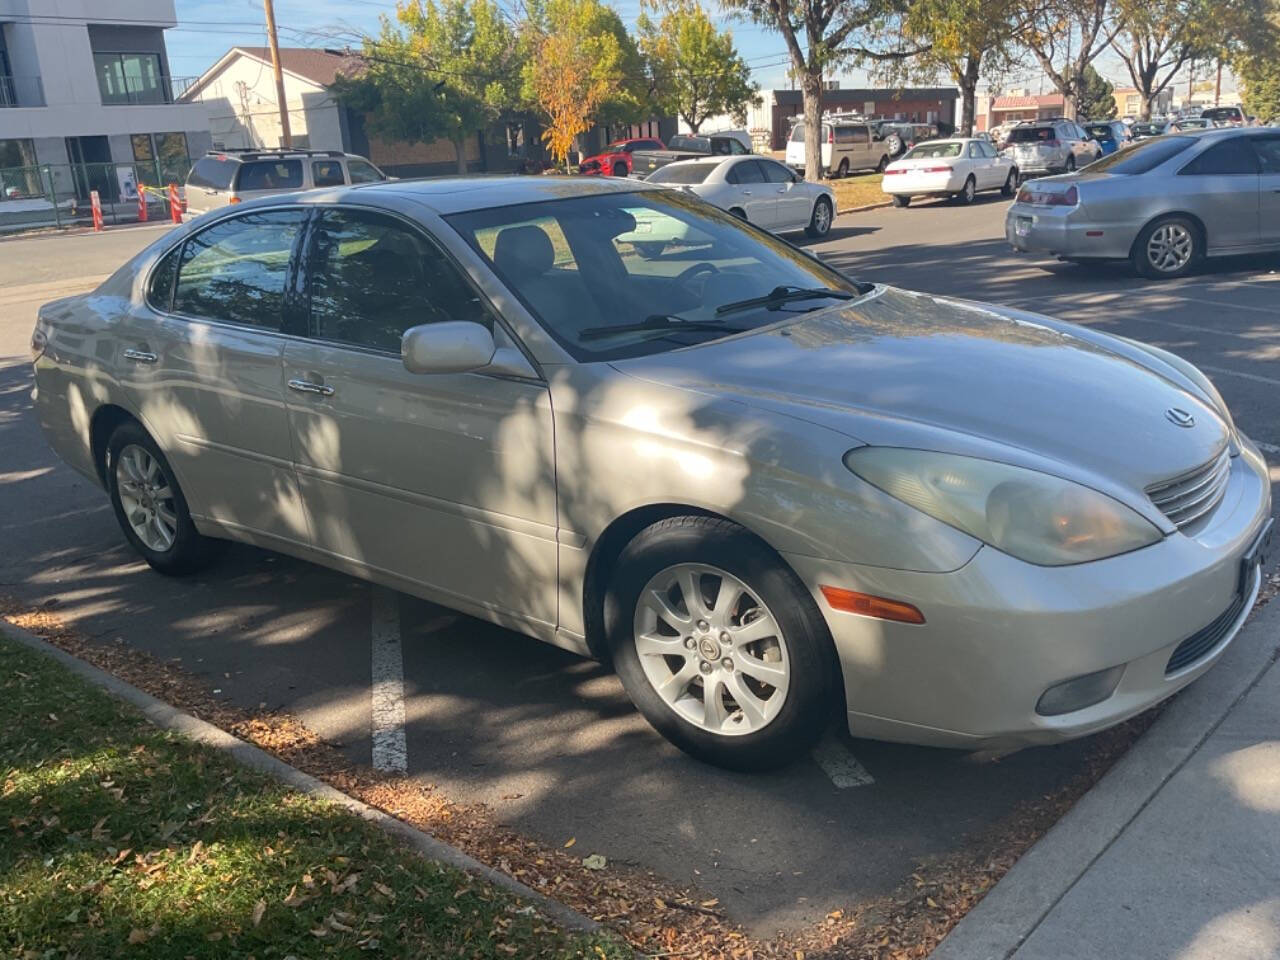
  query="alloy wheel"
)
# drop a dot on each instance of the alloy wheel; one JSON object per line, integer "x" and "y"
{"x": 821, "y": 218}
{"x": 711, "y": 649}
{"x": 1170, "y": 248}
{"x": 147, "y": 498}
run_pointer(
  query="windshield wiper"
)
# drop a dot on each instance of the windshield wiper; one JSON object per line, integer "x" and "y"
{"x": 656, "y": 321}
{"x": 784, "y": 294}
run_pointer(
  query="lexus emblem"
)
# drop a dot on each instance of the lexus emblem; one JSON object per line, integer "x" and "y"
{"x": 1180, "y": 417}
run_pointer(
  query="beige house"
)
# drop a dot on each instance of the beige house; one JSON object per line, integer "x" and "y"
{"x": 1129, "y": 102}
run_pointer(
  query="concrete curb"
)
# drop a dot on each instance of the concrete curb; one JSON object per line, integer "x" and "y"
{"x": 170, "y": 718}
{"x": 1015, "y": 907}
{"x": 864, "y": 207}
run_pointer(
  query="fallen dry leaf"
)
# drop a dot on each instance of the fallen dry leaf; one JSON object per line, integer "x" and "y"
{"x": 259, "y": 909}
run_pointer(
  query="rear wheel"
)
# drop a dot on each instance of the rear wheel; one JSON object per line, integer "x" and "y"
{"x": 820, "y": 221}
{"x": 1071, "y": 163}
{"x": 619, "y": 169}
{"x": 901, "y": 200}
{"x": 1167, "y": 248}
{"x": 843, "y": 170}
{"x": 968, "y": 192}
{"x": 719, "y": 645}
{"x": 1010, "y": 184}
{"x": 884, "y": 162}
{"x": 149, "y": 504}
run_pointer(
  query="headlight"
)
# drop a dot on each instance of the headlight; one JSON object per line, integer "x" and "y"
{"x": 1033, "y": 516}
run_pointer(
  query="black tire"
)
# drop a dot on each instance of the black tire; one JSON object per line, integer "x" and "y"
{"x": 843, "y": 170}
{"x": 884, "y": 162}
{"x": 901, "y": 200}
{"x": 738, "y": 212}
{"x": 814, "y": 671}
{"x": 1010, "y": 184}
{"x": 821, "y": 218}
{"x": 190, "y": 551}
{"x": 1071, "y": 163}
{"x": 1141, "y": 255}
{"x": 651, "y": 249}
{"x": 969, "y": 192}
{"x": 619, "y": 169}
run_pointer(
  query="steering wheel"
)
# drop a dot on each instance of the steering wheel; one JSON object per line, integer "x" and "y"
{"x": 689, "y": 273}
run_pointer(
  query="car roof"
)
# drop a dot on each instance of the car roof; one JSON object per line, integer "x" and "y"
{"x": 447, "y": 195}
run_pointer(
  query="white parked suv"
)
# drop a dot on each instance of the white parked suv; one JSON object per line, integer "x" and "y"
{"x": 846, "y": 146}
{"x": 223, "y": 177}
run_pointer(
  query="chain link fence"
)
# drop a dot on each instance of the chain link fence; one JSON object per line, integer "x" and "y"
{"x": 57, "y": 194}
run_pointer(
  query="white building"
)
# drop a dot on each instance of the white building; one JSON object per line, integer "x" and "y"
{"x": 87, "y": 99}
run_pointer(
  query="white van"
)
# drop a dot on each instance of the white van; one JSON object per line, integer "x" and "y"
{"x": 846, "y": 146}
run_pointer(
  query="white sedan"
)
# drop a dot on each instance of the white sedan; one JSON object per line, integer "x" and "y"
{"x": 959, "y": 167}
{"x": 756, "y": 189}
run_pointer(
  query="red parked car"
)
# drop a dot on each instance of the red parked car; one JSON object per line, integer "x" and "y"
{"x": 615, "y": 159}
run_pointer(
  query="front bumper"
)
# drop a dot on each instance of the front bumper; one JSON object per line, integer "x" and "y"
{"x": 1066, "y": 232}
{"x": 999, "y": 632}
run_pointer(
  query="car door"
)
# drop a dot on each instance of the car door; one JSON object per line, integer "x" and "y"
{"x": 443, "y": 482}
{"x": 1268, "y": 148}
{"x": 794, "y": 201}
{"x": 1220, "y": 186}
{"x": 201, "y": 361}
{"x": 750, "y": 192}
{"x": 973, "y": 163}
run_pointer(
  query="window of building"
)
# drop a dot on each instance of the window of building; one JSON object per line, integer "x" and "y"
{"x": 130, "y": 78}
{"x": 235, "y": 271}
{"x": 19, "y": 175}
{"x": 373, "y": 278}
{"x": 160, "y": 158}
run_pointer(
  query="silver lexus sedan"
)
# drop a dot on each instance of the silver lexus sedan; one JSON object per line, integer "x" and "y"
{"x": 1164, "y": 204}
{"x": 767, "y": 493}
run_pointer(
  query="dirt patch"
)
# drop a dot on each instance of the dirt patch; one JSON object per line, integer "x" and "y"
{"x": 656, "y": 916}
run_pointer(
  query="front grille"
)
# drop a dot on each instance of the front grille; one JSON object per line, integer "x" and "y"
{"x": 1202, "y": 641}
{"x": 1188, "y": 497}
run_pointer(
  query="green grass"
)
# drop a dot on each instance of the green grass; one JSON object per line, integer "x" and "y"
{"x": 858, "y": 190}
{"x": 121, "y": 840}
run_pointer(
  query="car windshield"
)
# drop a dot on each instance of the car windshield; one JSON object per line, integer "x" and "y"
{"x": 933, "y": 151}
{"x": 1031, "y": 134}
{"x": 1101, "y": 131}
{"x": 617, "y": 275}
{"x": 1141, "y": 157}
{"x": 683, "y": 172}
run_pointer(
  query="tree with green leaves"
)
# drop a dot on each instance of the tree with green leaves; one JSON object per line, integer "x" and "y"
{"x": 441, "y": 69}
{"x": 1096, "y": 99}
{"x": 821, "y": 36}
{"x": 581, "y": 67}
{"x": 1256, "y": 62}
{"x": 1065, "y": 37}
{"x": 695, "y": 69}
{"x": 969, "y": 39}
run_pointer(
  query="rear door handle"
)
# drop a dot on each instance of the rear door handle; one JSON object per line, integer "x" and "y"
{"x": 140, "y": 356}
{"x": 306, "y": 386}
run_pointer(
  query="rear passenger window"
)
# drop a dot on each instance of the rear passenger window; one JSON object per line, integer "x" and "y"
{"x": 212, "y": 173}
{"x": 235, "y": 271}
{"x": 270, "y": 175}
{"x": 160, "y": 290}
{"x": 775, "y": 172}
{"x": 1233, "y": 156}
{"x": 746, "y": 172}
{"x": 326, "y": 173}
{"x": 373, "y": 278}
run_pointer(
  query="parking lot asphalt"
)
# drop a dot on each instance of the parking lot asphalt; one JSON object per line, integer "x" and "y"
{"x": 547, "y": 740}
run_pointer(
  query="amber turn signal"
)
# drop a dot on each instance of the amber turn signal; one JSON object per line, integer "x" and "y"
{"x": 850, "y": 601}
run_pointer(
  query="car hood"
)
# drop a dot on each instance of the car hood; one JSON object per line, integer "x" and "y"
{"x": 902, "y": 369}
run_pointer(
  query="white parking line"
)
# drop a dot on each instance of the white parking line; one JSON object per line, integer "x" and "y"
{"x": 390, "y": 753}
{"x": 1240, "y": 373}
{"x": 840, "y": 765}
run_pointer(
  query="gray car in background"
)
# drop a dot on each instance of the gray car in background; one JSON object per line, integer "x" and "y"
{"x": 1164, "y": 204}
{"x": 1050, "y": 146}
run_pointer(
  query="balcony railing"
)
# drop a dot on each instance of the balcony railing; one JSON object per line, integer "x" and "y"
{"x": 144, "y": 90}
{"x": 21, "y": 91}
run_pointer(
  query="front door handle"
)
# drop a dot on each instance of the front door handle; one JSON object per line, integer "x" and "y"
{"x": 140, "y": 356}
{"x": 306, "y": 386}
{"x": 746, "y": 193}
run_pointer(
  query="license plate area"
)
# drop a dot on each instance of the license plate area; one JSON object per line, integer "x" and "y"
{"x": 1022, "y": 226}
{"x": 1256, "y": 556}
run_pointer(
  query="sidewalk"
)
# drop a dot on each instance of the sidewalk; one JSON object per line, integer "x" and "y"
{"x": 1175, "y": 854}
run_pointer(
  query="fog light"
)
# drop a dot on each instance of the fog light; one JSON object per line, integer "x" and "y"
{"x": 1079, "y": 693}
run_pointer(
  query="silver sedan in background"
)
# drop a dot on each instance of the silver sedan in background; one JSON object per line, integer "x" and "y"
{"x": 1164, "y": 204}
{"x": 767, "y": 493}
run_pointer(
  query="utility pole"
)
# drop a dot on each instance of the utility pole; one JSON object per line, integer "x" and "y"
{"x": 1217, "y": 87}
{"x": 286, "y": 137}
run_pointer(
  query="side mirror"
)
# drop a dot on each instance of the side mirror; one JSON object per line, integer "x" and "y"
{"x": 451, "y": 347}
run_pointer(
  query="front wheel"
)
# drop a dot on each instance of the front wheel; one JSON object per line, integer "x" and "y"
{"x": 719, "y": 644}
{"x": 1167, "y": 249}
{"x": 901, "y": 200}
{"x": 1071, "y": 163}
{"x": 820, "y": 221}
{"x": 619, "y": 169}
{"x": 884, "y": 162}
{"x": 149, "y": 504}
